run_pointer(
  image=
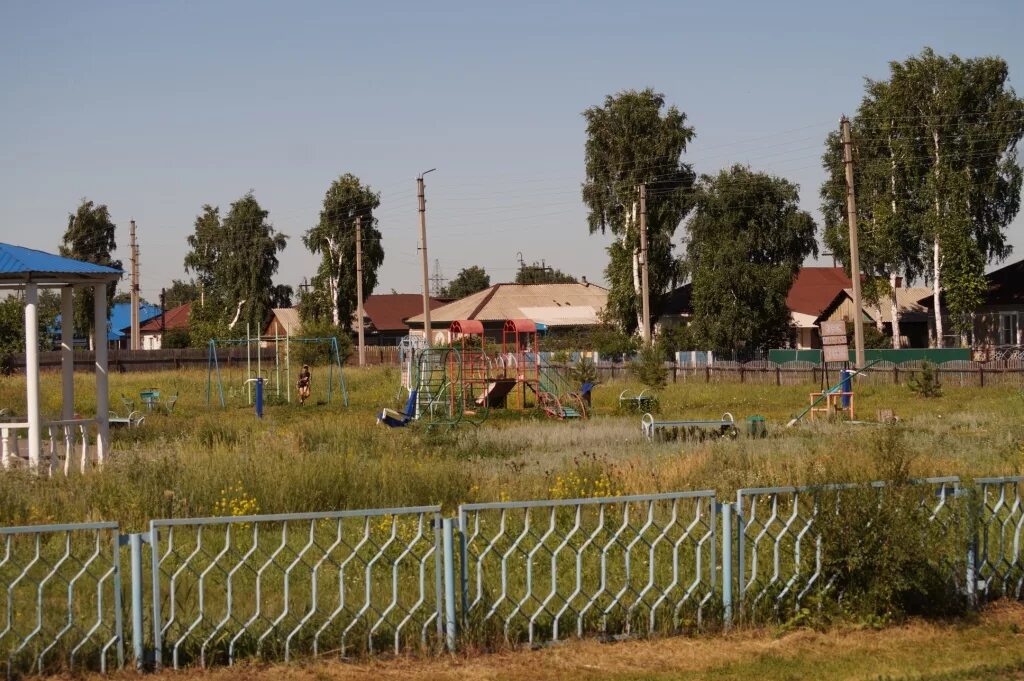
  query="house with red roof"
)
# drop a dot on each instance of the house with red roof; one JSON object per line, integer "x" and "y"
{"x": 385, "y": 315}
{"x": 152, "y": 332}
{"x": 814, "y": 289}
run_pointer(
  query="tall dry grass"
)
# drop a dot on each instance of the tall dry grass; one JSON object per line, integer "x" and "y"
{"x": 325, "y": 457}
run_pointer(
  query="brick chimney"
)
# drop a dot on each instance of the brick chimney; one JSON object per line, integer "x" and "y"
{"x": 898, "y": 282}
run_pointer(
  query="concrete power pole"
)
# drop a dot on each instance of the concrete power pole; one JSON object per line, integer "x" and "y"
{"x": 134, "y": 247}
{"x": 851, "y": 217}
{"x": 645, "y": 305}
{"x": 359, "y": 289}
{"x": 423, "y": 255}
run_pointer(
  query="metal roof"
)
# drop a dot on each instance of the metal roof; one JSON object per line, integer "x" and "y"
{"x": 551, "y": 304}
{"x": 20, "y": 265}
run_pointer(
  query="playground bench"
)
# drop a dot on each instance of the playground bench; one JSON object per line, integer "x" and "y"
{"x": 133, "y": 420}
{"x": 642, "y": 402}
{"x": 724, "y": 427}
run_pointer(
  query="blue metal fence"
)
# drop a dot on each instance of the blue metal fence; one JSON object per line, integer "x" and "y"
{"x": 611, "y": 565}
{"x": 215, "y": 590}
{"x": 62, "y": 598}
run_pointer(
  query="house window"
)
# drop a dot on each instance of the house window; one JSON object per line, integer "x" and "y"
{"x": 1009, "y": 328}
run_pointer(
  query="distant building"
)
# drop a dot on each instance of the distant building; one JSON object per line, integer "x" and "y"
{"x": 913, "y": 316}
{"x": 284, "y": 321}
{"x": 118, "y": 324}
{"x": 385, "y": 315}
{"x": 998, "y": 323}
{"x": 175, "y": 319}
{"x": 813, "y": 290}
{"x": 559, "y": 307}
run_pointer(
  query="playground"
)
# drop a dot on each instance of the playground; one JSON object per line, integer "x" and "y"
{"x": 198, "y": 459}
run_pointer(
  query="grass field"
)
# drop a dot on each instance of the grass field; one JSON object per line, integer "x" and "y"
{"x": 204, "y": 460}
{"x": 991, "y": 648}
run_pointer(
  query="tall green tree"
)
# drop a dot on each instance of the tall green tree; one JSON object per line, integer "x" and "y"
{"x": 90, "y": 236}
{"x": 954, "y": 125}
{"x": 468, "y": 281}
{"x": 181, "y": 292}
{"x": 633, "y": 139}
{"x": 333, "y": 239}
{"x": 746, "y": 241}
{"x": 236, "y": 260}
{"x": 541, "y": 273}
{"x": 885, "y": 175}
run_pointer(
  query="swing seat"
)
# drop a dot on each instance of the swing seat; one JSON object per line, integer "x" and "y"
{"x": 396, "y": 419}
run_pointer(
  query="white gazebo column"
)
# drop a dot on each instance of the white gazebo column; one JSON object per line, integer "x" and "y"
{"x": 67, "y": 356}
{"x": 32, "y": 373}
{"x": 102, "y": 388}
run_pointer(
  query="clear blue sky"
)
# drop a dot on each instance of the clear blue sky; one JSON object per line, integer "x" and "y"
{"x": 158, "y": 108}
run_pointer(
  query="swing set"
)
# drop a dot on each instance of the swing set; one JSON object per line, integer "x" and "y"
{"x": 270, "y": 372}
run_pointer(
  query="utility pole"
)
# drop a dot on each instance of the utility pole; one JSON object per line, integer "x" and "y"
{"x": 163, "y": 315}
{"x": 851, "y": 218}
{"x": 645, "y": 328}
{"x": 359, "y": 289}
{"x": 134, "y": 247}
{"x": 423, "y": 254}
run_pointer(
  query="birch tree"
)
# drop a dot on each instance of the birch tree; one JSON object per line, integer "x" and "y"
{"x": 333, "y": 239}
{"x": 633, "y": 139}
{"x": 954, "y": 125}
{"x": 235, "y": 260}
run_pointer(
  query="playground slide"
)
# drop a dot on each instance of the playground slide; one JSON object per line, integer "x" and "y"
{"x": 496, "y": 391}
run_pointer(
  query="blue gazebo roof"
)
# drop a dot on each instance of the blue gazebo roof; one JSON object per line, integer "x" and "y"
{"x": 20, "y": 265}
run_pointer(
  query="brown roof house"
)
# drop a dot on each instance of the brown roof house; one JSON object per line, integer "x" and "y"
{"x": 385, "y": 315}
{"x": 152, "y": 332}
{"x": 559, "y": 307}
{"x": 813, "y": 290}
{"x": 997, "y": 326}
{"x": 913, "y": 316}
{"x": 284, "y": 321}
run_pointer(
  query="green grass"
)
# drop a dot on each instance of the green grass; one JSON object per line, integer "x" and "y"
{"x": 325, "y": 457}
{"x": 204, "y": 460}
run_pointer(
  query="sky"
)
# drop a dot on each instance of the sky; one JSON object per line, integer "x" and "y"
{"x": 156, "y": 109}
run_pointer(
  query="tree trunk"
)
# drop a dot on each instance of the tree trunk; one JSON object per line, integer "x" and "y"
{"x": 332, "y": 280}
{"x": 895, "y": 312}
{"x": 632, "y": 220}
{"x": 936, "y": 250}
{"x": 936, "y": 291}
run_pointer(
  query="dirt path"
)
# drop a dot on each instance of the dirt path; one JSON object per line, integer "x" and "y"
{"x": 990, "y": 648}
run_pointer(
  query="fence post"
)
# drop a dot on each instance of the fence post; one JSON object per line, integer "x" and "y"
{"x": 981, "y": 374}
{"x": 135, "y": 557}
{"x": 448, "y": 544}
{"x": 726, "y": 510}
{"x": 974, "y": 509}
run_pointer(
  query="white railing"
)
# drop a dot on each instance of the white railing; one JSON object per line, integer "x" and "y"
{"x": 66, "y": 440}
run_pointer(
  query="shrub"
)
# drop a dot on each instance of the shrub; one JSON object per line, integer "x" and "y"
{"x": 649, "y": 366}
{"x": 927, "y": 384}
{"x": 585, "y": 371}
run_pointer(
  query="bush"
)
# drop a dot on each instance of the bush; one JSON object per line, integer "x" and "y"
{"x": 585, "y": 371}
{"x": 927, "y": 384}
{"x": 176, "y": 338}
{"x": 319, "y": 353}
{"x": 649, "y": 366}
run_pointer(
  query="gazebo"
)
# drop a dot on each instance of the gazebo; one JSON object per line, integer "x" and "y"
{"x": 28, "y": 270}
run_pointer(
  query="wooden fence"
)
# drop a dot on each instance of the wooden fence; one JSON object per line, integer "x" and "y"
{"x": 229, "y": 356}
{"x": 763, "y": 372}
